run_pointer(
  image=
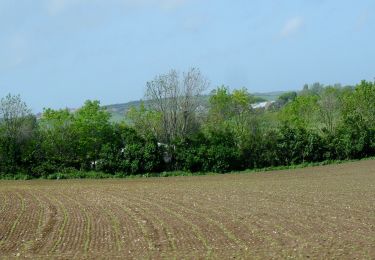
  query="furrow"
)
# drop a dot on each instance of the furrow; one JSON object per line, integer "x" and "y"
{"x": 198, "y": 233}
{"x": 61, "y": 229}
{"x": 48, "y": 226}
{"x": 5, "y": 245}
{"x": 142, "y": 222}
{"x": 4, "y": 202}
{"x": 79, "y": 233}
{"x": 229, "y": 240}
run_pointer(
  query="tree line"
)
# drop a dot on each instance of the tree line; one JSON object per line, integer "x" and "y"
{"x": 175, "y": 129}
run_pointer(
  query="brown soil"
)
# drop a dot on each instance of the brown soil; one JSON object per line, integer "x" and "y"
{"x": 320, "y": 212}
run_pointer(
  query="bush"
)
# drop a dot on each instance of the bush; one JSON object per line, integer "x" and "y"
{"x": 130, "y": 154}
{"x": 213, "y": 151}
{"x": 297, "y": 145}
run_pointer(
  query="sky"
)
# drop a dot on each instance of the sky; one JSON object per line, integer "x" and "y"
{"x": 59, "y": 53}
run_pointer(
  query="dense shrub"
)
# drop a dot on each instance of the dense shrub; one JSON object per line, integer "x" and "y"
{"x": 130, "y": 153}
{"x": 298, "y": 145}
{"x": 212, "y": 151}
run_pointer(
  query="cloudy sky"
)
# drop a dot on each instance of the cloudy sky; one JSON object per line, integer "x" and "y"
{"x": 58, "y": 53}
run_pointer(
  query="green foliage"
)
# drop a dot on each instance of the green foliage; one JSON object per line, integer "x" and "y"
{"x": 301, "y": 112}
{"x": 355, "y": 138}
{"x": 213, "y": 151}
{"x": 360, "y": 105}
{"x": 259, "y": 151}
{"x": 329, "y": 109}
{"x": 58, "y": 142}
{"x": 232, "y": 112}
{"x": 146, "y": 121}
{"x": 297, "y": 145}
{"x": 92, "y": 126}
{"x": 140, "y": 154}
{"x": 316, "y": 125}
{"x": 286, "y": 98}
{"x": 130, "y": 153}
{"x": 17, "y": 129}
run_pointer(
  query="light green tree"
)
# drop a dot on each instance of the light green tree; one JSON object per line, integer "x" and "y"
{"x": 301, "y": 113}
{"x": 146, "y": 121}
{"x": 329, "y": 109}
{"x": 92, "y": 125}
{"x": 58, "y": 137}
{"x": 233, "y": 111}
{"x": 361, "y": 104}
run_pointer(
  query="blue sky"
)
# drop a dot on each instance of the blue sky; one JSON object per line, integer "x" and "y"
{"x": 58, "y": 53}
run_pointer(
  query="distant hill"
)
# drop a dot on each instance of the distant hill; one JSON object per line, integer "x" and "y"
{"x": 118, "y": 111}
{"x": 269, "y": 96}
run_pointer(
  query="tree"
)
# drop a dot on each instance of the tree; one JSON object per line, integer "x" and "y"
{"x": 177, "y": 99}
{"x": 357, "y": 130}
{"x": 130, "y": 153}
{"x": 301, "y": 113}
{"x": 213, "y": 150}
{"x": 220, "y": 107}
{"x": 17, "y": 126}
{"x": 58, "y": 142}
{"x": 330, "y": 105}
{"x": 361, "y": 104}
{"x": 145, "y": 120}
{"x": 233, "y": 112}
{"x": 93, "y": 128}
{"x": 297, "y": 145}
{"x": 314, "y": 89}
{"x": 286, "y": 98}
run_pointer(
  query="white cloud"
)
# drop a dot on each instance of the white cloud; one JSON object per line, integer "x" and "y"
{"x": 292, "y": 26}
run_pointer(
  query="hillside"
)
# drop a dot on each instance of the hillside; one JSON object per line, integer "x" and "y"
{"x": 119, "y": 110}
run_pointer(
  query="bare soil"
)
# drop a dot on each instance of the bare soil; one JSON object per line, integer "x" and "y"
{"x": 321, "y": 212}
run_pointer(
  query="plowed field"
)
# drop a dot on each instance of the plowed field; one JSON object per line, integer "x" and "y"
{"x": 320, "y": 212}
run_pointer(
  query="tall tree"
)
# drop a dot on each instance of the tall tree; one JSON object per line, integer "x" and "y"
{"x": 330, "y": 105}
{"x": 176, "y": 98}
{"x": 361, "y": 104}
{"x": 147, "y": 121}
{"x": 233, "y": 111}
{"x": 17, "y": 126}
{"x": 302, "y": 112}
{"x": 58, "y": 138}
{"x": 93, "y": 128}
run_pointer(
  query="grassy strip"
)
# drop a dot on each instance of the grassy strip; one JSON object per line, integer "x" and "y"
{"x": 101, "y": 175}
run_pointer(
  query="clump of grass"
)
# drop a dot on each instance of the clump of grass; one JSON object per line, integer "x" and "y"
{"x": 79, "y": 175}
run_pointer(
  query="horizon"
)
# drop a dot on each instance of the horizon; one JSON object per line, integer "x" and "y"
{"x": 63, "y": 52}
